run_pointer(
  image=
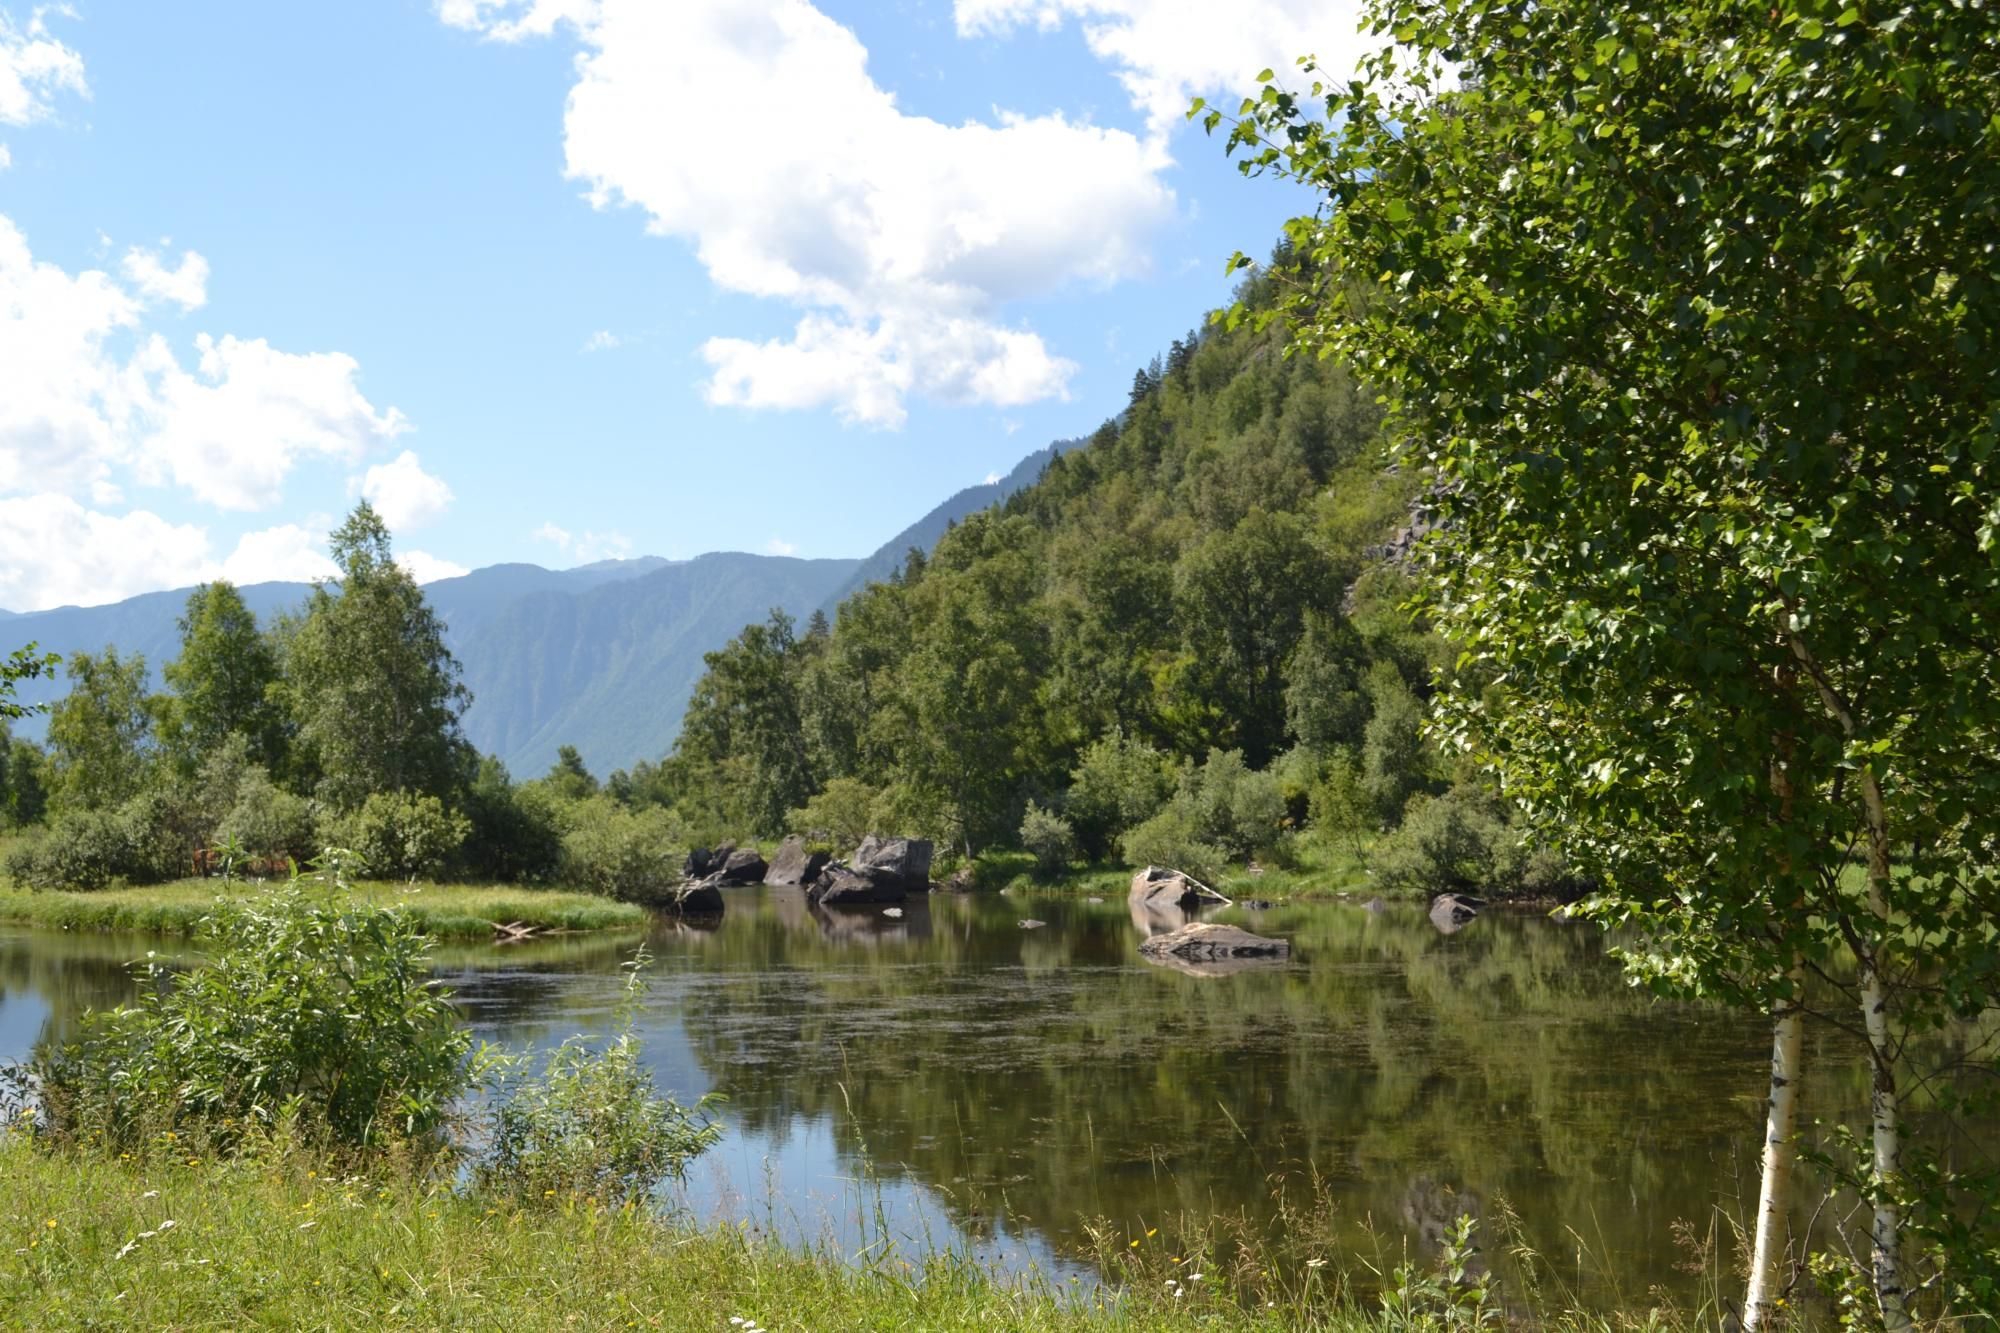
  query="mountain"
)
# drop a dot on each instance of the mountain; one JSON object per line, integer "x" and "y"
{"x": 602, "y": 656}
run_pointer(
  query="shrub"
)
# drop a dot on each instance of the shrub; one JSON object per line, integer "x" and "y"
{"x": 162, "y": 832}
{"x": 1118, "y": 784}
{"x": 1050, "y": 839}
{"x": 267, "y": 821}
{"x": 633, "y": 855}
{"x": 144, "y": 841}
{"x": 400, "y": 834}
{"x": 592, "y": 1123}
{"x": 517, "y": 831}
{"x": 1467, "y": 840}
{"x": 842, "y": 813}
{"x": 1169, "y": 839}
{"x": 317, "y": 1014}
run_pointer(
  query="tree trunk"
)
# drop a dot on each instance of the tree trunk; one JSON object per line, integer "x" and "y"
{"x": 1883, "y": 1104}
{"x": 1774, "y": 1195}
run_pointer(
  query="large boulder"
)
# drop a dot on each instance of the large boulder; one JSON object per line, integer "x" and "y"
{"x": 792, "y": 864}
{"x": 698, "y": 862}
{"x": 905, "y": 862}
{"x": 739, "y": 868}
{"x": 1206, "y": 949}
{"x": 1451, "y": 911}
{"x": 1157, "y": 886}
{"x": 844, "y": 886}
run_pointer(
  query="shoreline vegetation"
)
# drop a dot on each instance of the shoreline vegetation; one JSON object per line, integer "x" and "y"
{"x": 448, "y": 912}
{"x": 171, "y": 1240}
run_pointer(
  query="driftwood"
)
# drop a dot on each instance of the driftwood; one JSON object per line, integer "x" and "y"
{"x": 515, "y": 932}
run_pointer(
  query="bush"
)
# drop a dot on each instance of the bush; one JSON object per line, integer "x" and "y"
{"x": 592, "y": 1123}
{"x": 1050, "y": 839}
{"x": 517, "y": 831}
{"x": 1467, "y": 840}
{"x": 842, "y": 813}
{"x": 632, "y": 855}
{"x": 1117, "y": 785}
{"x": 144, "y": 841}
{"x": 307, "y": 1012}
{"x": 267, "y": 821}
{"x": 1169, "y": 839}
{"x": 401, "y": 835}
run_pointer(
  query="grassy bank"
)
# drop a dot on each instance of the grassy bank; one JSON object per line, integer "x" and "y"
{"x": 1318, "y": 870}
{"x": 174, "y": 1243}
{"x": 447, "y": 911}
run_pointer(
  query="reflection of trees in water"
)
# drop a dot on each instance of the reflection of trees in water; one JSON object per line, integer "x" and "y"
{"x": 1048, "y": 1075}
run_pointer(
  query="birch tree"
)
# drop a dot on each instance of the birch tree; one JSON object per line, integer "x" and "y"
{"x": 1686, "y": 308}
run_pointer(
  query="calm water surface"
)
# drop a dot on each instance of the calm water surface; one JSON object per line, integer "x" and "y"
{"x": 994, "y": 1087}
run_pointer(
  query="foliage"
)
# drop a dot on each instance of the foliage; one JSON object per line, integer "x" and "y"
{"x": 224, "y": 681}
{"x": 23, "y": 663}
{"x": 23, "y": 781}
{"x": 399, "y": 834}
{"x": 1687, "y": 314}
{"x": 1466, "y": 840}
{"x": 1118, "y": 784}
{"x": 515, "y": 832}
{"x": 267, "y": 821}
{"x": 1048, "y": 837}
{"x": 843, "y": 812}
{"x": 101, "y": 732}
{"x": 307, "y": 1010}
{"x": 591, "y": 1123}
{"x": 146, "y": 840}
{"x": 631, "y": 855}
{"x": 372, "y": 689}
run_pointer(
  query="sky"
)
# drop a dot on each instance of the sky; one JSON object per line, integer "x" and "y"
{"x": 567, "y": 280}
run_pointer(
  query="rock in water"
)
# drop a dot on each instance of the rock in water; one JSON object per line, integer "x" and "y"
{"x": 788, "y": 863}
{"x": 703, "y": 899}
{"x": 844, "y": 886}
{"x": 906, "y": 862}
{"x": 740, "y": 868}
{"x": 1450, "y": 911}
{"x": 1205, "y": 949}
{"x": 1156, "y": 886}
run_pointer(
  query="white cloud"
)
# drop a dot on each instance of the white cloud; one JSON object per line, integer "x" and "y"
{"x": 778, "y": 546}
{"x": 185, "y": 285}
{"x": 900, "y": 238}
{"x": 91, "y": 394}
{"x": 6, "y": 157}
{"x": 34, "y": 67}
{"x": 601, "y": 341}
{"x": 427, "y": 568}
{"x": 1167, "y": 52}
{"x": 992, "y": 479}
{"x": 587, "y": 548}
{"x": 108, "y": 557}
{"x": 287, "y": 553}
{"x": 404, "y": 494}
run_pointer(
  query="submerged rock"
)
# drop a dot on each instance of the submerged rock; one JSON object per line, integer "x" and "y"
{"x": 1451, "y": 911}
{"x": 1157, "y": 886}
{"x": 1206, "y": 949}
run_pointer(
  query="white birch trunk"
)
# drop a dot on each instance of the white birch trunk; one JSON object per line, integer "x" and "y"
{"x": 1774, "y": 1194}
{"x": 1883, "y": 1104}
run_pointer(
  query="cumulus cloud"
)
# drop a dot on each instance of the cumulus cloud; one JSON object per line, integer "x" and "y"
{"x": 404, "y": 494}
{"x": 779, "y": 546}
{"x": 91, "y": 394}
{"x": 186, "y": 284}
{"x": 427, "y": 568}
{"x": 34, "y": 68}
{"x": 107, "y": 557}
{"x": 601, "y": 341}
{"x": 6, "y": 157}
{"x": 1168, "y": 52}
{"x": 899, "y": 238}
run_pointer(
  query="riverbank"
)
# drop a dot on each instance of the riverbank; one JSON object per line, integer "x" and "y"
{"x": 178, "y": 1243}
{"x": 445, "y": 911}
{"x": 1317, "y": 871}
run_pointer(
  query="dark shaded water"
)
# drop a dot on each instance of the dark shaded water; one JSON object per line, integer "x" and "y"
{"x": 992, "y": 1087}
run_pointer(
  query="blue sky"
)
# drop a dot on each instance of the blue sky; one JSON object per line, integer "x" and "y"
{"x": 555, "y": 280}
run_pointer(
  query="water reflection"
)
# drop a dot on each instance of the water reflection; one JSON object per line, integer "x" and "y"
{"x": 997, "y": 1086}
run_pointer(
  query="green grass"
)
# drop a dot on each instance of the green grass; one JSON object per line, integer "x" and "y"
{"x": 446, "y": 911}
{"x": 184, "y": 1243}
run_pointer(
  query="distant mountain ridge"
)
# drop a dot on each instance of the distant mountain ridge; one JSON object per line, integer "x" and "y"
{"x": 602, "y": 656}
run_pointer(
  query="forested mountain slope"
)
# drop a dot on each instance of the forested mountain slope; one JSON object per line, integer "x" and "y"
{"x": 1199, "y": 585}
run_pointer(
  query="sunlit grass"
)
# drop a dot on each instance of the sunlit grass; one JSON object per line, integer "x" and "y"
{"x": 182, "y": 1241}
{"x": 448, "y": 911}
